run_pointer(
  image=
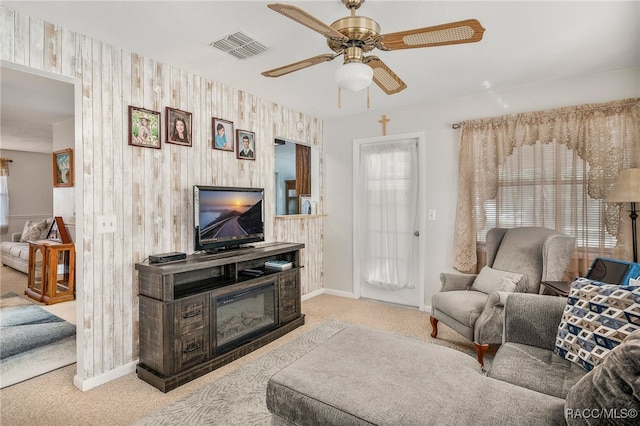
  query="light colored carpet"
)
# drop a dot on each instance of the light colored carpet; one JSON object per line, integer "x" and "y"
{"x": 33, "y": 341}
{"x": 128, "y": 399}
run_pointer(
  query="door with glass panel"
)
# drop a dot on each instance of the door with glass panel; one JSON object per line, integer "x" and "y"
{"x": 386, "y": 220}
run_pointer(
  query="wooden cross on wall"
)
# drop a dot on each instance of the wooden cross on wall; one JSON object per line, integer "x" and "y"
{"x": 384, "y": 120}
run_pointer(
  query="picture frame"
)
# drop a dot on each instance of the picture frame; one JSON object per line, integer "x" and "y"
{"x": 63, "y": 168}
{"x": 58, "y": 231}
{"x": 178, "y": 128}
{"x": 306, "y": 204}
{"x": 241, "y": 154}
{"x": 222, "y": 141}
{"x": 144, "y": 128}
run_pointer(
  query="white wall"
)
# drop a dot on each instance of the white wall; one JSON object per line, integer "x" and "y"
{"x": 30, "y": 182}
{"x": 439, "y": 171}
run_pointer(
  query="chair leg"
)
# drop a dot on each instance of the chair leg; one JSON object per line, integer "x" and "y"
{"x": 434, "y": 327}
{"x": 480, "y": 351}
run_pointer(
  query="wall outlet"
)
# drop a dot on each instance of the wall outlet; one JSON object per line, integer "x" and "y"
{"x": 106, "y": 224}
{"x": 432, "y": 214}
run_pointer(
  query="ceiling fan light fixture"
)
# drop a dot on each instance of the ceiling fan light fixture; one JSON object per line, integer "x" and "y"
{"x": 354, "y": 76}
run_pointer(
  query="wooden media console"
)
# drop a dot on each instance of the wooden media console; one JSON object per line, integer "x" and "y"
{"x": 205, "y": 311}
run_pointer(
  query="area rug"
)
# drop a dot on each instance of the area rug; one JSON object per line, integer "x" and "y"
{"x": 32, "y": 341}
{"x": 238, "y": 398}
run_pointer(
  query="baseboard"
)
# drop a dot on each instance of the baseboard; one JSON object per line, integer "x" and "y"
{"x": 315, "y": 293}
{"x": 116, "y": 373}
{"x": 347, "y": 294}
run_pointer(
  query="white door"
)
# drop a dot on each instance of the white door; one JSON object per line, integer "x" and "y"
{"x": 386, "y": 220}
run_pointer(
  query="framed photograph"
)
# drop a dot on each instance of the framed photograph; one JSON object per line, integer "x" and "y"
{"x": 58, "y": 232}
{"x": 246, "y": 145}
{"x": 144, "y": 128}
{"x": 222, "y": 134}
{"x": 63, "y": 168}
{"x": 178, "y": 127}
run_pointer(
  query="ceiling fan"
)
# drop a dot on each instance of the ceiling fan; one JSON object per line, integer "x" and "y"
{"x": 354, "y": 35}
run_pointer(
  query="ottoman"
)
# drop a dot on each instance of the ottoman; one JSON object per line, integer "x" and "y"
{"x": 363, "y": 376}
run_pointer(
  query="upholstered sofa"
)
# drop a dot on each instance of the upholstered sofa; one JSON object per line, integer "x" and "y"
{"x": 15, "y": 253}
{"x": 362, "y": 376}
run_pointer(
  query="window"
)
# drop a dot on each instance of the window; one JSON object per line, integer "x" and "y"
{"x": 548, "y": 168}
{"x": 546, "y": 184}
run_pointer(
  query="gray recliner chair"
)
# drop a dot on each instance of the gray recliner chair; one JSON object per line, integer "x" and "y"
{"x": 477, "y": 312}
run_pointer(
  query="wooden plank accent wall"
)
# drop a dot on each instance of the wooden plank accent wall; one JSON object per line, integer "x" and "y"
{"x": 149, "y": 190}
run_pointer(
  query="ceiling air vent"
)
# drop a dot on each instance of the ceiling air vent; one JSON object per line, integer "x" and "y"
{"x": 239, "y": 45}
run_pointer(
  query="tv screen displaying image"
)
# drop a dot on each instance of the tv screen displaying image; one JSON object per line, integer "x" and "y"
{"x": 227, "y": 217}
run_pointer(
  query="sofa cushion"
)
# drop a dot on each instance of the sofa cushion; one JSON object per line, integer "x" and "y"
{"x": 535, "y": 368}
{"x": 490, "y": 280}
{"x": 596, "y": 319}
{"x": 20, "y": 251}
{"x": 33, "y": 230}
{"x": 612, "y": 387}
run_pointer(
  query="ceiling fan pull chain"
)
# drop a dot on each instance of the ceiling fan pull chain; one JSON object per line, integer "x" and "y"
{"x": 368, "y": 97}
{"x": 339, "y": 97}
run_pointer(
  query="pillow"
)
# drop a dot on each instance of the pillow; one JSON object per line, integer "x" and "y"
{"x": 47, "y": 227}
{"x": 490, "y": 280}
{"x": 613, "y": 388}
{"x": 596, "y": 319}
{"x": 33, "y": 230}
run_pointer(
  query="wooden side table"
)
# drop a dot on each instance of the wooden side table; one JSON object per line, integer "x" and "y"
{"x": 51, "y": 271}
{"x": 557, "y": 288}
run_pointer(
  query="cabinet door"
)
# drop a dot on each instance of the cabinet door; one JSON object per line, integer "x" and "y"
{"x": 289, "y": 295}
{"x": 191, "y": 332}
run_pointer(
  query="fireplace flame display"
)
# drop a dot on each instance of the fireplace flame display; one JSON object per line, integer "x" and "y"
{"x": 242, "y": 315}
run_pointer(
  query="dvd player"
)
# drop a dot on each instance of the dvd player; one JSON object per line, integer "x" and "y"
{"x": 167, "y": 257}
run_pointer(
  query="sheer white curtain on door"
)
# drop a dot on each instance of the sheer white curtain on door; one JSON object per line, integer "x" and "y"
{"x": 387, "y": 191}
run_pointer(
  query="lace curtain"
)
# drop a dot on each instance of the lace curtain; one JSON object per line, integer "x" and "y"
{"x": 606, "y": 136}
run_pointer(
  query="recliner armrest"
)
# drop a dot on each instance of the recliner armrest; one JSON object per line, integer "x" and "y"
{"x": 451, "y": 282}
{"x": 533, "y": 319}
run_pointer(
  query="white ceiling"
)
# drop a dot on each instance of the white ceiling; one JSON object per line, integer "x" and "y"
{"x": 524, "y": 43}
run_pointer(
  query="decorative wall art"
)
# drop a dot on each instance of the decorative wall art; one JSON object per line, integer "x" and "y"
{"x": 144, "y": 127}
{"x": 63, "y": 168}
{"x": 178, "y": 127}
{"x": 246, "y": 145}
{"x": 222, "y": 134}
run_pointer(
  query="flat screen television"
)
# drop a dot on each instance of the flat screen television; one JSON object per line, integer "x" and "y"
{"x": 227, "y": 217}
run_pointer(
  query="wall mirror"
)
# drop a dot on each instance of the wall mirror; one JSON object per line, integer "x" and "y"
{"x": 296, "y": 177}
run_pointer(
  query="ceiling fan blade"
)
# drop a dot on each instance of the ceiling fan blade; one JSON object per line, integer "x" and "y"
{"x": 296, "y": 66}
{"x": 468, "y": 31}
{"x": 386, "y": 79}
{"x": 309, "y": 21}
